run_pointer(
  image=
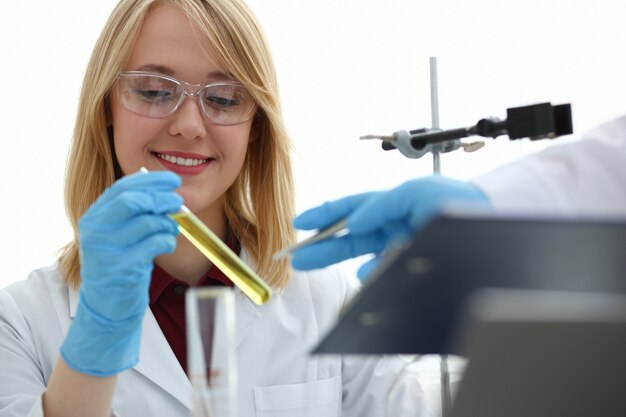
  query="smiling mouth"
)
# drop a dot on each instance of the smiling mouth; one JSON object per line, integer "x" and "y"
{"x": 183, "y": 162}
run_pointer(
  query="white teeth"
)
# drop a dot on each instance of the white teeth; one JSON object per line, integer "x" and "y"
{"x": 178, "y": 160}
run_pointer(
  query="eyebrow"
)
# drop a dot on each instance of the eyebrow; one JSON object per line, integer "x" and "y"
{"x": 162, "y": 69}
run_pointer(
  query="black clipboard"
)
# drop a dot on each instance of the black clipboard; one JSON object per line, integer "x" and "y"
{"x": 413, "y": 303}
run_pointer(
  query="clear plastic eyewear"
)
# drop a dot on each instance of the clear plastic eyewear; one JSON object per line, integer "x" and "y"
{"x": 157, "y": 96}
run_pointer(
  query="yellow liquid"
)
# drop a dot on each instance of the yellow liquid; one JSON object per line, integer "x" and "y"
{"x": 221, "y": 256}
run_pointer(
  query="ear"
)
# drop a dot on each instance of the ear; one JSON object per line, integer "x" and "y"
{"x": 255, "y": 130}
{"x": 107, "y": 112}
{"x": 117, "y": 170}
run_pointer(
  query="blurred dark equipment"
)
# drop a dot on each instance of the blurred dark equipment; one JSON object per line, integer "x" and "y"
{"x": 543, "y": 353}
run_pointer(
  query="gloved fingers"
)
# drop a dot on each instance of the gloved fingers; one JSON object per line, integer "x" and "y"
{"x": 128, "y": 204}
{"x": 155, "y": 245}
{"x": 393, "y": 205}
{"x": 397, "y": 230}
{"x": 422, "y": 196}
{"x": 127, "y": 233}
{"x": 365, "y": 271}
{"x": 456, "y": 195}
{"x": 330, "y": 212}
{"x": 335, "y": 250}
{"x": 140, "y": 181}
{"x": 154, "y": 180}
{"x": 131, "y": 259}
{"x": 397, "y": 237}
{"x": 107, "y": 264}
{"x": 422, "y": 215}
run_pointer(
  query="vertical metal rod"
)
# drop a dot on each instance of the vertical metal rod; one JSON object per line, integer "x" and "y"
{"x": 434, "y": 110}
{"x": 436, "y": 163}
{"x": 446, "y": 397}
{"x": 434, "y": 93}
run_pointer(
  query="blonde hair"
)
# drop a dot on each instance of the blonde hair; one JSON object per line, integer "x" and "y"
{"x": 260, "y": 204}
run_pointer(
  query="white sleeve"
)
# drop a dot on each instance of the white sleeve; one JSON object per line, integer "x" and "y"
{"x": 587, "y": 177}
{"x": 21, "y": 380}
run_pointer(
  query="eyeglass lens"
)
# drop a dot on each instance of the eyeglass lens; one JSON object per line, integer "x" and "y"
{"x": 155, "y": 96}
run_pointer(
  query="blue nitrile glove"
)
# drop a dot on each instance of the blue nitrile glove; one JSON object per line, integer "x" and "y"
{"x": 378, "y": 218}
{"x": 119, "y": 236}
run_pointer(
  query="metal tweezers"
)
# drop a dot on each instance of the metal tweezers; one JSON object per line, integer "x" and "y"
{"x": 325, "y": 233}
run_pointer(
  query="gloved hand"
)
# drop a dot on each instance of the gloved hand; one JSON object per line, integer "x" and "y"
{"x": 378, "y": 218}
{"x": 119, "y": 236}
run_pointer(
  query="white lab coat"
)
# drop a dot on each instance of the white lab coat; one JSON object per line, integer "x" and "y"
{"x": 276, "y": 375}
{"x": 582, "y": 178}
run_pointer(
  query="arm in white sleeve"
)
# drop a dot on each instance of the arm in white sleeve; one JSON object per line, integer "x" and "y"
{"x": 21, "y": 380}
{"x": 587, "y": 177}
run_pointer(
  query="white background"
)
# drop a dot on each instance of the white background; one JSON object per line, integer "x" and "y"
{"x": 346, "y": 68}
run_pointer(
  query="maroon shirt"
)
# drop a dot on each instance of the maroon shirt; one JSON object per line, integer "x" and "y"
{"x": 167, "y": 302}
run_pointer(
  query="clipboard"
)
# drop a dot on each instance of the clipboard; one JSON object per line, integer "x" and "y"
{"x": 413, "y": 303}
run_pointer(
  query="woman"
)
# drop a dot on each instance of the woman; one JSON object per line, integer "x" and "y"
{"x": 187, "y": 89}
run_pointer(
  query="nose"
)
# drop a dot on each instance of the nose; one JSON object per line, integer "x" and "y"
{"x": 188, "y": 120}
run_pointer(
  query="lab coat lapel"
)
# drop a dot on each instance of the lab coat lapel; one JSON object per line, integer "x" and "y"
{"x": 73, "y": 303}
{"x": 246, "y": 312}
{"x": 158, "y": 363}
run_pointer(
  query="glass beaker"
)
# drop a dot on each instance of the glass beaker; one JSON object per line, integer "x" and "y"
{"x": 211, "y": 362}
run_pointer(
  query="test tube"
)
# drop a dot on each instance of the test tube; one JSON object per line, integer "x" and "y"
{"x": 221, "y": 255}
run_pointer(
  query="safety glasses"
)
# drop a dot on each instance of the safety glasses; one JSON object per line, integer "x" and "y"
{"x": 156, "y": 95}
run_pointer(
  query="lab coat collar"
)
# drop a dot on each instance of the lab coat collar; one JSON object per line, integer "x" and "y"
{"x": 158, "y": 363}
{"x": 246, "y": 312}
{"x": 73, "y": 302}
